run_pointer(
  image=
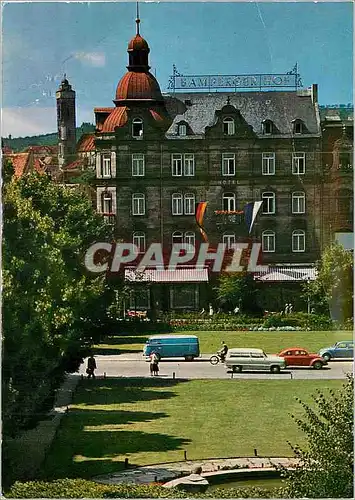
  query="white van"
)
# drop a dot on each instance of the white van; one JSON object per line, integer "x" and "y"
{"x": 253, "y": 359}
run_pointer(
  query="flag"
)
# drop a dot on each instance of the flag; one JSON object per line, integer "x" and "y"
{"x": 250, "y": 212}
{"x": 199, "y": 215}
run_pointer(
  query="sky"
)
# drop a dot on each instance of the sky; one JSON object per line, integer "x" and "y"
{"x": 88, "y": 42}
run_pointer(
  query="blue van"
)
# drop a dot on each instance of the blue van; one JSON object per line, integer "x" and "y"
{"x": 173, "y": 346}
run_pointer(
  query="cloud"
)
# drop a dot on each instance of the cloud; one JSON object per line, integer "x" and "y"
{"x": 96, "y": 59}
{"x": 27, "y": 121}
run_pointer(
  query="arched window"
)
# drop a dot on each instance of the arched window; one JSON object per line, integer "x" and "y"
{"x": 176, "y": 204}
{"x": 138, "y": 239}
{"x": 229, "y": 240}
{"x": 228, "y": 201}
{"x": 298, "y": 241}
{"x": 177, "y": 238}
{"x": 182, "y": 129}
{"x": 107, "y": 203}
{"x": 298, "y": 202}
{"x": 189, "y": 204}
{"x": 297, "y": 126}
{"x": 138, "y": 204}
{"x": 137, "y": 127}
{"x": 268, "y": 241}
{"x": 189, "y": 238}
{"x": 268, "y": 202}
{"x": 267, "y": 127}
{"x": 228, "y": 126}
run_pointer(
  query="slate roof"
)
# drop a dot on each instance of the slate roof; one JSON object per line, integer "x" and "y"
{"x": 280, "y": 107}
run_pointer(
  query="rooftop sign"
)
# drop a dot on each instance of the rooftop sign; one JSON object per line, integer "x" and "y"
{"x": 178, "y": 81}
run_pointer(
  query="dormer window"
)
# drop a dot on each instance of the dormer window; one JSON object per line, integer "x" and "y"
{"x": 228, "y": 126}
{"x": 297, "y": 127}
{"x": 137, "y": 128}
{"x": 267, "y": 127}
{"x": 182, "y": 129}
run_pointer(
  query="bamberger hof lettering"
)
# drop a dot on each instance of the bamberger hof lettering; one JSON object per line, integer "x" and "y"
{"x": 234, "y": 81}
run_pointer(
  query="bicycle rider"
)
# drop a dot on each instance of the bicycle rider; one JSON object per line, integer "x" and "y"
{"x": 222, "y": 352}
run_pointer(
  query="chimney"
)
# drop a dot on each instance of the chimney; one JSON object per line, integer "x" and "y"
{"x": 314, "y": 93}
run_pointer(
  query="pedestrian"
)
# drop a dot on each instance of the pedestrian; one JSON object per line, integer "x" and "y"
{"x": 91, "y": 367}
{"x": 290, "y": 307}
{"x": 210, "y": 310}
{"x": 286, "y": 309}
{"x": 154, "y": 364}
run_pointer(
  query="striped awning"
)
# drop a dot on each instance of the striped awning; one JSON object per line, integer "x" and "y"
{"x": 280, "y": 274}
{"x": 179, "y": 275}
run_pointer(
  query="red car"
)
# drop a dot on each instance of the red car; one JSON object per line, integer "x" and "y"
{"x": 297, "y": 356}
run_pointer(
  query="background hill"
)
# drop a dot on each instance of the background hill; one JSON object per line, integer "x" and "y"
{"x": 18, "y": 144}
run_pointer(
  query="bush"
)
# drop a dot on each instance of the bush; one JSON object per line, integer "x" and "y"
{"x": 301, "y": 320}
{"x": 80, "y": 488}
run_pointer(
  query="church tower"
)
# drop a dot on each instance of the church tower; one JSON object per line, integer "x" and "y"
{"x": 65, "y": 96}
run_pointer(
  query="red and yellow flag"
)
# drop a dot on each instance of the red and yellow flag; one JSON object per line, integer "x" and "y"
{"x": 199, "y": 214}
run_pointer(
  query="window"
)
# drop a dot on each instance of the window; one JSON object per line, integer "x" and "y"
{"x": 189, "y": 164}
{"x": 178, "y": 161}
{"x": 107, "y": 204}
{"x": 268, "y": 241}
{"x": 138, "y": 204}
{"x": 139, "y": 240}
{"x": 190, "y": 238}
{"x": 228, "y": 164}
{"x": 137, "y": 165}
{"x": 267, "y": 127}
{"x": 106, "y": 165}
{"x": 228, "y": 126}
{"x": 176, "y": 165}
{"x": 137, "y": 127}
{"x": 177, "y": 238}
{"x": 228, "y": 201}
{"x": 268, "y": 203}
{"x": 298, "y": 241}
{"x": 344, "y": 160}
{"x": 298, "y": 203}
{"x": 298, "y": 163}
{"x": 229, "y": 240}
{"x": 176, "y": 204}
{"x": 268, "y": 163}
{"x": 297, "y": 127}
{"x": 63, "y": 133}
{"x": 182, "y": 129}
{"x": 189, "y": 204}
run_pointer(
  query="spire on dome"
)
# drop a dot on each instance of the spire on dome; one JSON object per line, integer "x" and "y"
{"x": 137, "y": 19}
{"x": 138, "y": 50}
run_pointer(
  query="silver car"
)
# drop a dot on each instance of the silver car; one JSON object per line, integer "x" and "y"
{"x": 253, "y": 359}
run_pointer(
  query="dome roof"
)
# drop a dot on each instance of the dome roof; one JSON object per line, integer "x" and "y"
{"x": 117, "y": 118}
{"x": 137, "y": 85}
{"x": 138, "y": 43}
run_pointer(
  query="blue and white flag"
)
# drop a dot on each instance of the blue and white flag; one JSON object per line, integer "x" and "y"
{"x": 250, "y": 212}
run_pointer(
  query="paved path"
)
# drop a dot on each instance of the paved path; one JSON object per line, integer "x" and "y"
{"x": 134, "y": 365}
{"x": 166, "y": 472}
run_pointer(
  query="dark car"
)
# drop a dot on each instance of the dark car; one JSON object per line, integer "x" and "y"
{"x": 298, "y": 356}
{"x": 343, "y": 349}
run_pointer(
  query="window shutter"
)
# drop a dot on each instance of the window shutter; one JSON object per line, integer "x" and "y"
{"x": 114, "y": 199}
{"x": 99, "y": 192}
{"x": 98, "y": 166}
{"x": 113, "y": 164}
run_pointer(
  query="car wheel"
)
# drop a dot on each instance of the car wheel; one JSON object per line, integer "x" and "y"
{"x": 275, "y": 369}
{"x": 189, "y": 358}
{"x": 214, "y": 360}
{"x": 317, "y": 365}
{"x": 326, "y": 356}
{"x": 237, "y": 369}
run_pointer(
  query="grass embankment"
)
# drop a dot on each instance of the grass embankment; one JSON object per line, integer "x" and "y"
{"x": 153, "y": 421}
{"x": 271, "y": 342}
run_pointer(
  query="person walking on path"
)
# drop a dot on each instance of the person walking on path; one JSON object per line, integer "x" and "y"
{"x": 154, "y": 364}
{"x": 91, "y": 367}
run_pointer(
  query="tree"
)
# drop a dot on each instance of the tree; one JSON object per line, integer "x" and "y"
{"x": 237, "y": 289}
{"x": 333, "y": 288}
{"x": 326, "y": 465}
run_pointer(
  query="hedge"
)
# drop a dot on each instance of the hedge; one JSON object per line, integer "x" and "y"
{"x": 81, "y": 488}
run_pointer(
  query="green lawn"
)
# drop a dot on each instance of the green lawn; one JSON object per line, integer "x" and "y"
{"x": 210, "y": 341}
{"x": 154, "y": 420}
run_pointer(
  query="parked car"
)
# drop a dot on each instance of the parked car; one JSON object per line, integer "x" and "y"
{"x": 343, "y": 349}
{"x": 253, "y": 359}
{"x": 297, "y": 356}
{"x": 173, "y": 346}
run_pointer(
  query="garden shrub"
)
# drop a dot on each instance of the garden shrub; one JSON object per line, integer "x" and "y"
{"x": 299, "y": 319}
